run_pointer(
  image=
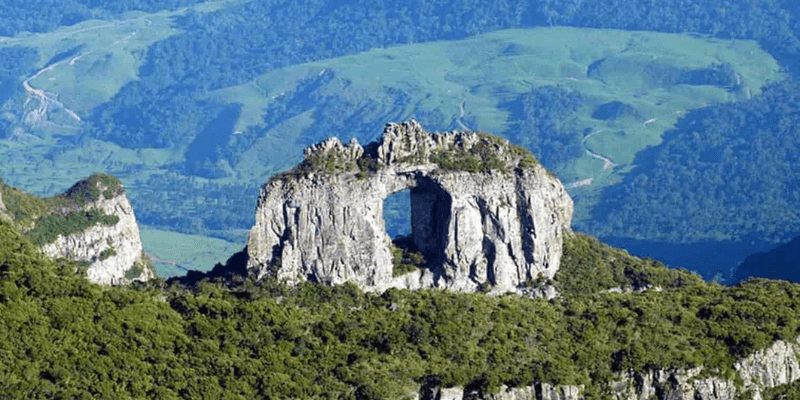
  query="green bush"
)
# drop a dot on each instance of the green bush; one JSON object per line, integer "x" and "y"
{"x": 90, "y": 189}
{"x": 107, "y": 253}
{"x": 589, "y": 266}
{"x": 405, "y": 257}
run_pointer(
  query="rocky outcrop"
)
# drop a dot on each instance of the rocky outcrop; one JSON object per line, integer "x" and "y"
{"x": 112, "y": 254}
{"x": 668, "y": 384}
{"x": 768, "y": 368}
{"x": 774, "y": 366}
{"x": 3, "y": 209}
{"x": 542, "y": 391}
{"x": 484, "y": 214}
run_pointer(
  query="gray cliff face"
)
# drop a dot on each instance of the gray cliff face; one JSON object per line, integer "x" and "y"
{"x": 3, "y": 210}
{"x": 771, "y": 367}
{"x": 484, "y": 214}
{"x": 774, "y": 366}
{"x": 677, "y": 385}
{"x": 114, "y": 252}
{"x": 542, "y": 391}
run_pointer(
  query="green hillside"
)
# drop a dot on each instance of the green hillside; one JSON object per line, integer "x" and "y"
{"x": 67, "y": 338}
{"x": 478, "y": 83}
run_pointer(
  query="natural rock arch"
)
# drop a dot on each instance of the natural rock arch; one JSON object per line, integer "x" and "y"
{"x": 484, "y": 213}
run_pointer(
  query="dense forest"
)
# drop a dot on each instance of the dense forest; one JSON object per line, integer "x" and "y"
{"x": 545, "y": 124}
{"x": 725, "y": 171}
{"x": 41, "y": 16}
{"x": 67, "y": 338}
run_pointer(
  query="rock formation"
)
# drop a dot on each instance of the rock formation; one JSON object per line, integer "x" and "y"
{"x": 92, "y": 224}
{"x": 484, "y": 214}
{"x": 774, "y": 366}
{"x": 3, "y": 210}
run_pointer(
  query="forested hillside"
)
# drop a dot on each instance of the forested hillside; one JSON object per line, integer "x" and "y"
{"x": 231, "y": 46}
{"x": 67, "y": 338}
{"x": 725, "y": 171}
{"x": 41, "y": 16}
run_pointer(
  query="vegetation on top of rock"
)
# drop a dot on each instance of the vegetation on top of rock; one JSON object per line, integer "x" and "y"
{"x": 90, "y": 189}
{"x": 49, "y": 227}
{"x": 488, "y": 153}
{"x": 44, "y": 219}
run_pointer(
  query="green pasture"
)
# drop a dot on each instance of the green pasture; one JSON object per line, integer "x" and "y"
{"x": 109, "y": 54}
{"x": 484, "y": 71}
{"x": 176, "y": 252}
{"x": 480, "y": 73}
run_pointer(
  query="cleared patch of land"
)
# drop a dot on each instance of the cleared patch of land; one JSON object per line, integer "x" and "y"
{"x": 175, "y": 253}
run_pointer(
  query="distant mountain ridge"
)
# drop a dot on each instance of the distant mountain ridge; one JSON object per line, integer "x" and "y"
{"x": 782, "y": 262}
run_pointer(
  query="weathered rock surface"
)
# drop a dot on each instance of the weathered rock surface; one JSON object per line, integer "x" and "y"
{"x": 484, "y": 214}
{"x": 115, "y": 252}
{"x": 774, "y": 366}
{"x": 541, "y": 391}
{"x": 668, "y": 384}
{"x": 3, "y": 210}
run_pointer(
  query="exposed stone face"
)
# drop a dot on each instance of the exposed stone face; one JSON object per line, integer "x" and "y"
{"x": 497, "y": 224}
{"x": 3, "y": 210}
{"x": 774, "y": 366}
{"x": 121, "y": 243}
{"x": 672, "y": 384}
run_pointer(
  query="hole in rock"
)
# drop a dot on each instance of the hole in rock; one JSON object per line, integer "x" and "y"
{"x": 397, "y": 214}
{"x": 417, "y": 221}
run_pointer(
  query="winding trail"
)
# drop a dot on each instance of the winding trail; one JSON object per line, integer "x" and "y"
{"x": 39, "y": 115}
{"x": 155, "y": 258}
{"x": 46, "y": 98}
{"x": 461, "y": 123}
{"x": 607, "y": 163}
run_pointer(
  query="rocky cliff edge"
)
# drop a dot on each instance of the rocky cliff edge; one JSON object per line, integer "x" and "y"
{"x": 484, "y": 215}
{"x": 92, "y": 223}
{"x": 768, "y": 368}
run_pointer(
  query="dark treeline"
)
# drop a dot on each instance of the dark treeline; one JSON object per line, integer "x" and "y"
{"x": 46, "y": 15}
{"x": 545, "y": 124}
{"x": 782, "y": 262}
{"x": 723, "y": 172}
{"x": 237, "y": 43}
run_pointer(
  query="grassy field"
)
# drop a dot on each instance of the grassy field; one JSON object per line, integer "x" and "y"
{"x": 473, "y": 77}
{"x": 175, "y": 253}
{"x": 482, "y": 72}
